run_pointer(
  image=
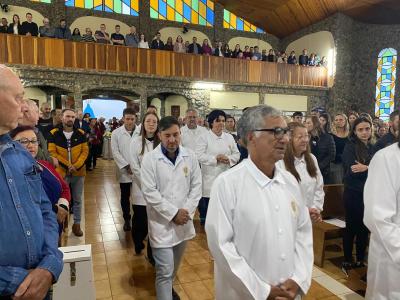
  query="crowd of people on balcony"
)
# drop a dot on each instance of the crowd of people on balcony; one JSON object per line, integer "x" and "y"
{"x": 138, "y": 40}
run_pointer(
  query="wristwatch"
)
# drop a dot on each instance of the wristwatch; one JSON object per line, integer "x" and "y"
{"x": 63, "y": 206}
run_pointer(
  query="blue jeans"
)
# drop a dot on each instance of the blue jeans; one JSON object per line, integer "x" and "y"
{"x": 76, "y": 183}
{"x": 167, "y": 264}
{"x": 203, "y": 207}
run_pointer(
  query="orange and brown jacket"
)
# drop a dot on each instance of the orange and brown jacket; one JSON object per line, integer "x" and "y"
{"x": 58, "y": 148}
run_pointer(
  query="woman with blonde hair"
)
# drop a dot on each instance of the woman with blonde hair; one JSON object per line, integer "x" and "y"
{"x": 303, "y": 165}
{"x": 179, "y": 45}
{"x": 340, "y": 134}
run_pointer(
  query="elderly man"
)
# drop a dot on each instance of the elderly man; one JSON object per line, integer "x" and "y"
{"x": 191, "y": 131}
{"x": 29, "y": 259}
{"x": 46, "y": 30}
{"x": 258, "y": 229}
{"x": 171, "y": 185}
{"x": 30, "y": 117}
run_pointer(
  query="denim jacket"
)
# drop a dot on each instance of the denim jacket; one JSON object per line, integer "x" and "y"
{"x": 28, "y": 226}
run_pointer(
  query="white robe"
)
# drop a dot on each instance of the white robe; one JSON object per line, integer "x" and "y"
{"x": 136, "y": 162}
{"x": 190, "y": 136}
{"x": 259, "y": 233}
{"x": 208, "y": 146}
{"x": 382, "y": 217}
{"x": 166, "y": 188}
{"x": 311, "y": 187}
{"x": 120, "y": 146}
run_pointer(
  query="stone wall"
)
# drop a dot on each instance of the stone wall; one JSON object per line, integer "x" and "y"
{"x": 357, "y": 48}
{"x": 77, "y": 83}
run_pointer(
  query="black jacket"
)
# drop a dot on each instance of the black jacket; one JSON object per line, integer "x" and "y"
{"x": 191, "y": 48}
{"x": 354, "y": 181}
{"x": 387, "y": 140}
{"x": 324, "y": 149}
{"x": 32, "y": 28}
{"x": 11, "y": 28}
{"x": 155, "y": 45}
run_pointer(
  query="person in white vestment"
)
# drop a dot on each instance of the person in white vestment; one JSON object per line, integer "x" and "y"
{"x": 382, "y": 217}
{"x": 303, "y": 165}
{"x": 216, "y": 151}
{"x": 171, "y": 185}
{"x": 258, "y": 228}
{"x": 191, "y": 131}
{"x": 140, "y": 145}
{"x": 120, "y": 145}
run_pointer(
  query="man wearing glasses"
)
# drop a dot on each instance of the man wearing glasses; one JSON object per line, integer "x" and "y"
{"x": 29, "y": 258}
{"x": 258, "y": 228}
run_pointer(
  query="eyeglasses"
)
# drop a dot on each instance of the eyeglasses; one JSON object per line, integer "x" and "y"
{"x": 278, "y": 132}
{"x": 26, "y": 142}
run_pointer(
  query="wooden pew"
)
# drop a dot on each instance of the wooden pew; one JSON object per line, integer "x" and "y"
{"x": 323, "y": 231}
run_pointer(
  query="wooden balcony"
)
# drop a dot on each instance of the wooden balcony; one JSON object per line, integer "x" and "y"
{"x": 56, "y": 53}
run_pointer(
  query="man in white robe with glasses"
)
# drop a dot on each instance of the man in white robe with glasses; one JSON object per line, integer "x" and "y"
{"x": 258, "y": 228}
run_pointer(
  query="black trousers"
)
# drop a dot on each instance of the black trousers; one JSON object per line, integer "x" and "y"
{"x": 125, "y": 203}
{"x": 355, "y": 228}
{"x": 140, "y": 229}
{"x": 91, "y": 160}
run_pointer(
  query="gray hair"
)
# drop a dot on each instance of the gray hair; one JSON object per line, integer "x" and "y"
{"x": 31, "y": 104}
{"x": 192, "y": 110}
{"x": 254, "y": 118}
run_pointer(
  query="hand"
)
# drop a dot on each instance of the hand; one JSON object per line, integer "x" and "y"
{"x": 278, "y": 293}
{"x": 359, "y": 168}
{"x": 128, "y": 169}
{"x": 290, "y": 287}
{"x": 223, "y": 159}
{"x": 35, "y": 286}
{"x": 315, "y": 215}
{"x": 71, "y": 169}
{"x": 28, "y": 34}
{"x": 61, "y": 214}
{"x": 181, "y": 217}
{"x": 55, "y": 162}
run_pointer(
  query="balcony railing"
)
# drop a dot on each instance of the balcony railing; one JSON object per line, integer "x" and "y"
{"x": 56, "y": 53}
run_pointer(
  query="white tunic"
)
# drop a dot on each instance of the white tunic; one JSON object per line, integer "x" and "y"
{"x": 311, "y": 187}
{"x": 208, "y": 146}
{"x": 259, "y": 233}
{"x": 120, "y": 146}
{"x": 166, "y": 188}
{"x": 190, "y": 136}
{"x": 382, "y": 217}
{"x": 136, "y": 162}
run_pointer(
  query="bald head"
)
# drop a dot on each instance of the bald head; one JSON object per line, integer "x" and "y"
{"x": 11, "y": 96}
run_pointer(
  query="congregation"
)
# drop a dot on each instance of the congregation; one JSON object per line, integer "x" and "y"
{"x": 138, "y": 40}
{"x": 169, "y": 168}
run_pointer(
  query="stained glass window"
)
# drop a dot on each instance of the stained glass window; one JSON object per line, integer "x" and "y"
{"x": 43, "y": 1}
{"x": 126, "y": 7}
{"x": 385, "y": 84}
{"x": 199, "y": 12}
{"x": 231, "y": 21}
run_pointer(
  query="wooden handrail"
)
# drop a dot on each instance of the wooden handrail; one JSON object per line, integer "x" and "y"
{"x": 55, "y": 53}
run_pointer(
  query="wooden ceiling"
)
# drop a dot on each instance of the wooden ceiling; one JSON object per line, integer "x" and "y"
{"x": 283, "y": 17}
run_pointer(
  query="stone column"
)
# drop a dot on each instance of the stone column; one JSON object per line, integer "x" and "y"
{"x": 58, "y": 11}
{"x": 261, "y": 97}
{"x": 145, "y": 20}
{"x": 143, "y": 101}
{"x": 219, "y": 34}
{"x": 78, "y": 101}
{"x": 162, "y": 110}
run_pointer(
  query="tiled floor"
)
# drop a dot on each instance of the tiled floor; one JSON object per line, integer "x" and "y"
{"x": 122, "y": 275}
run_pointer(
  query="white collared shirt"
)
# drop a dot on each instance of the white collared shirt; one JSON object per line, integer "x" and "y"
{"x": 136, "y": 162}
{"x": 259, "y": 233}
{"x": 208, "y": 146}
{"x": 190, "y": 136}
{"x": 311, "y": 187}
{"x": 120, "y": 146}
{"x": 168, "y": 187}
